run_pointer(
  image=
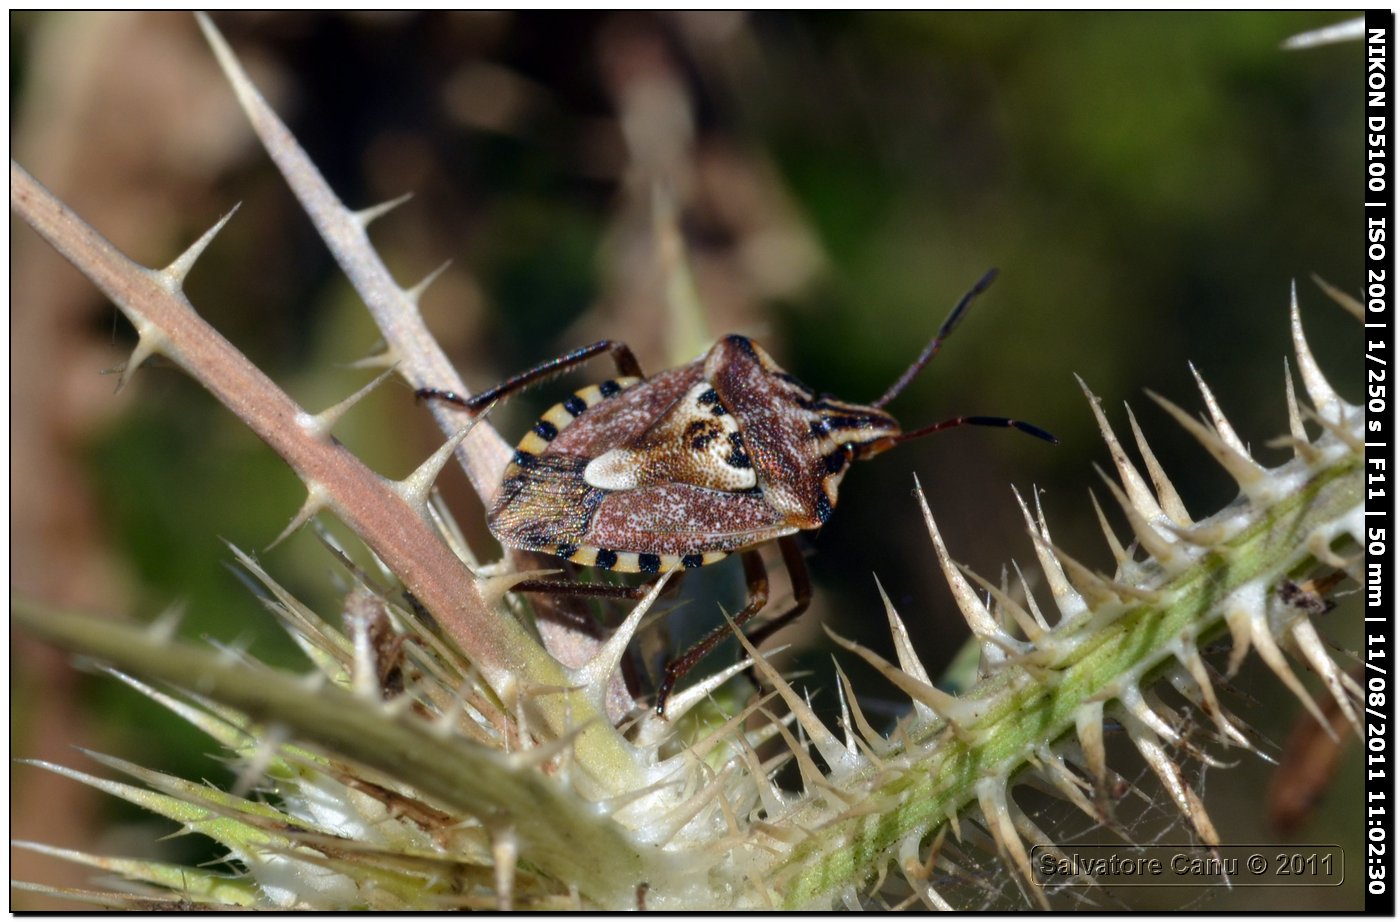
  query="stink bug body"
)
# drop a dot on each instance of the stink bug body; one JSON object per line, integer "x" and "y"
{"x": 679, "y": 470}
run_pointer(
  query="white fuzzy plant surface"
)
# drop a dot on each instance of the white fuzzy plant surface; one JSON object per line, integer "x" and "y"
{"x": 439, "y": 755}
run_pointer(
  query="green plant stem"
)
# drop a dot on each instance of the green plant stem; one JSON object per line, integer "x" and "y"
{"x": 560, "y": 832}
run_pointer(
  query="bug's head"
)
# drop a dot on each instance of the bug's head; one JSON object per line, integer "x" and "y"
{"x": 860, "y": 431}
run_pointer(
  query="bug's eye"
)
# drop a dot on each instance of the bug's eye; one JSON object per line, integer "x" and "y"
{"x": 863, "y": 450}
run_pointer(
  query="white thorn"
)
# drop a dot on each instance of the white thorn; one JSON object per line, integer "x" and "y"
{"x": 936, "y": 899}
{"x": 1351, "y": 30}
{"x": 364, "y": 673}
{"x": 728, "y": 734}
{"x": 1348, "y": 303}
{"x": 1217, "y": 416}
{"x": 978, "y": 618}
{"x": 1207, "y": 536}
{"x": 1142, "y": 497}
{"x": 374, "y": 212}
{"x": 1302, "y": 447}
{"x": 1068, "y": 784}
{"x": 806, "y": 768}
{"x": 1340, "y": 431}
{"x": 929, "y": 701}
{"x": 270, "y": 739}
{"x": 1324, "y": 399}
{"x": 1131, "y": 699}
{"x": 876, "y": 742}
{"x": 1238, "y": 621}
{"x": 683, "y": 813}
{"x": 1250, "y": 608}
{"x": 542, "y": 753}
{"x": 826, "y": 742}
{"x": 1162, "y": 549}
{"x": 1030, "y": 597}
{"x": 1319, "y": 544}
{"x": 316, "y": 500}
{"x": 386, "y": 359}
{"x": 172, "y": 277}
{"x": 318, "y": 426}
{"x": 991, "y": 798}
{"x": 1190, "y": 657}
{"x": 1186, "y": 800}
{"x": 1315, "y": 652}
{"x": 917, "y": 871}
{"x": 165, "y": 626}
{"x": 248, "y": 95}
{"x": 769, "y": 794}
{"x": 150, "y": 341}
{"x": 595, "y": 674}
{"x": 447, "y": 527}
{"x": 1167, "y": 497}
{"x": 416, "y": 487}
{"x": 1030, "y": 832}
{"x": 1033, "y": 631}
{"x": 415, "y": 294}
{"x": 903, "y": 647}
{"x": 505, "y": 852}
{"x": 850, "y": 732}
{"x": 1092, "y": 588}
{"x": 1120, "y": 556}
{"x": 1088, "y": 724}
{"x": 1239, "y": 466}
{"x": 1069, "y": 602}
{"x": 493, "y": 588}
{"x": 1031, "y": 663}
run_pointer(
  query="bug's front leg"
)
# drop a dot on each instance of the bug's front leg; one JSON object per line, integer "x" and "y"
{"x": 622, "y": 357}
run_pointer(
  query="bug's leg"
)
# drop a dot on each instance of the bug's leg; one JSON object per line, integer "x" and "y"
{"x": 622, "y": 357}
{"x": 568, "y": 589}
{"x": 801, "y": 591}
{"x": 575, "y": 589}
{"x": 757, "y": 578}
{"x": 565, "y": 587}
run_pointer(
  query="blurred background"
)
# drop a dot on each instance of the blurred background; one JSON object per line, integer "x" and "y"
{"x": 1148, "y": 184}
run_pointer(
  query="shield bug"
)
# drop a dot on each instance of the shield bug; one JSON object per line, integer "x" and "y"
{"x": 680, "y": 470}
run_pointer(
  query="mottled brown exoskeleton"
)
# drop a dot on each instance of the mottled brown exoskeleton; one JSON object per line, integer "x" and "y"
{"x": 682, "y": 469}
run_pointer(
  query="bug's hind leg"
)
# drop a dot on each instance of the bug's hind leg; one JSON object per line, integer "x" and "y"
{"x": 622, "y": 357}
{"x": 801, "y": 591}
{"x": 569, "y": 589}
{"x": 572, "y": 589}
{"x": 757, "y": 578}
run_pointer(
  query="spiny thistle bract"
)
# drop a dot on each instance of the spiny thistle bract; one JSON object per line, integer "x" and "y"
{"x": 460, "y": 765}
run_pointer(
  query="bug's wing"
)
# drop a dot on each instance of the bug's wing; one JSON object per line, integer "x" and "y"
{"x": 548, "y": 506}
{"x": 679, "y": 518}
{"x": 544, "y": 500}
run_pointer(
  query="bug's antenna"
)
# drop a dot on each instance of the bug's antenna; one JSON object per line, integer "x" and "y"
{"x": 936, "y": 343}
{"x": 979, "y": 421}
